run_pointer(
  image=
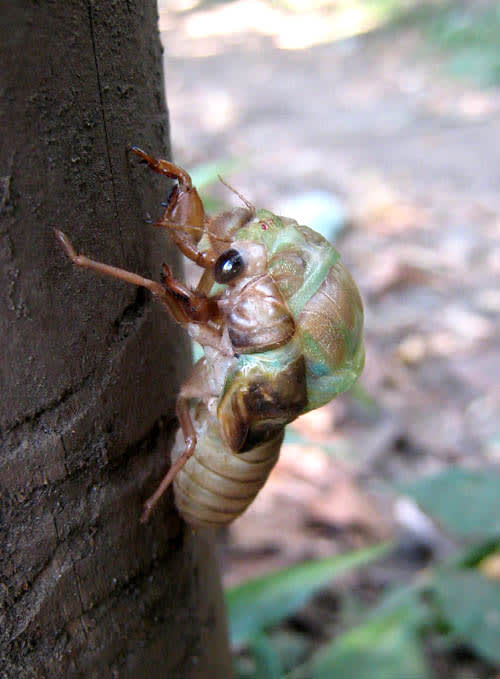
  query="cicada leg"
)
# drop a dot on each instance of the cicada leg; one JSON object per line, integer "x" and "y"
{"x": 203, "y": 258}
{"x": 184, "y": 214}
{"x": 105, "y": 269}
{"x": 164, "y": 167}
{"x": 184, "y": 305}
{"x": 195, "y": 305}
{"x": 190, "y": 439}
{"x": 185, "y": 217}
{"x": 194, "y": 387}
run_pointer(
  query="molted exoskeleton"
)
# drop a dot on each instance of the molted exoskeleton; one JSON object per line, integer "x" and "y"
{"x": 215, "y": 486}
{"x": 280, "y": 320}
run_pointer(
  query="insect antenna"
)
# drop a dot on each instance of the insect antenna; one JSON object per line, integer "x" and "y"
{"x": 249, "y": 205}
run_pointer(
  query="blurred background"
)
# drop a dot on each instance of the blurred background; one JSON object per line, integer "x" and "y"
{"x": 377, "y": 123}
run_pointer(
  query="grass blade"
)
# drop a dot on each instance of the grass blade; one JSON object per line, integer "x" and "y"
{"x": 264, "y": 601}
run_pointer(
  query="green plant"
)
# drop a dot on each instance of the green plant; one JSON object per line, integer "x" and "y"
{"x": 458, "y": 599}
{"x": 206, "y": 175}
{"x": 468, "y": 35}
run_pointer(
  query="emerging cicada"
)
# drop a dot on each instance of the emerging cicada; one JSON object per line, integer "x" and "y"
{"x": 280, "y": 321}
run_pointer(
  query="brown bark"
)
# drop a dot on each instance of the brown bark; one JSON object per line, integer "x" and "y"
{"x": 90, "y": 367}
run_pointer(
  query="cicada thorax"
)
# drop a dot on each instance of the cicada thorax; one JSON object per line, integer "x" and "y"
{"x": 322, "y": 299}
{"x": 216, "y": 485}
{"x": 266, "y": 388}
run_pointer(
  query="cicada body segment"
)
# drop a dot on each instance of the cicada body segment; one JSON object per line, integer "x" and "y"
{"x": 215, "y": 485}
{"x": 262, "y": 393}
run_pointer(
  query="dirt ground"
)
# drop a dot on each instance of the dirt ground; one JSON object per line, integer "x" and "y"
{"x": 414, "y": 157}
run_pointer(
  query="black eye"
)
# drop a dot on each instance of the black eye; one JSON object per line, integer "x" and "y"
{"x": 229, "y": 265}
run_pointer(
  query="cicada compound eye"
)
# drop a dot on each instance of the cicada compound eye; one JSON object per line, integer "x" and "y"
{"x": 228, "y": 266}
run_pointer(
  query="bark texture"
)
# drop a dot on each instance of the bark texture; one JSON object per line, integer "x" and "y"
{"x": 90, "y": 367}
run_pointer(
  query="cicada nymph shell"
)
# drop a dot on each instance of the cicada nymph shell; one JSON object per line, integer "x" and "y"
{"x": 216, "y": 485}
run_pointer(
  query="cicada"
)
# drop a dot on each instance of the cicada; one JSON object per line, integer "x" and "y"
{"x": 280, "y": 320}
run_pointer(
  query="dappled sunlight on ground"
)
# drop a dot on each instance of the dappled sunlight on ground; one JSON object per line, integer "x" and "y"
{"x": 289, "y": 25}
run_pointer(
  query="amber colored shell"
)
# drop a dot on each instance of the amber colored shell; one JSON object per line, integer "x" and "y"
{"x": 215, "y": 485}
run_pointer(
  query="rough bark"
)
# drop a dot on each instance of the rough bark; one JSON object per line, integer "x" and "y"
{"x": 90, "y": 367}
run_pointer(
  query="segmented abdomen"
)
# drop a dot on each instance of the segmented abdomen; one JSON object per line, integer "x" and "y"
{"x": 216, "y": 485}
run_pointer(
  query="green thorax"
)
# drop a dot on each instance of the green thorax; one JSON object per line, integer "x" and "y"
{"x": 300, "y": 261}
{"x": 282, "y": 237}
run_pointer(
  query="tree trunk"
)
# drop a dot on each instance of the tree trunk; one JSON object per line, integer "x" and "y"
{"x": 90, "y": 367}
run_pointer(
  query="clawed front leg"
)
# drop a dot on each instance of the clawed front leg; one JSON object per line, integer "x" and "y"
{"x": 165, "y": 167}
{"x": 196, "y": 306}
{"x": 107, "y": 270}
{"x": 184, "y": 214}
{"x": 186, "y": 244}
{"x": 184, "y": 305}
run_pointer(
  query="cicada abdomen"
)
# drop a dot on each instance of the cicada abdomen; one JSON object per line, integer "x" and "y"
{"x": 216, "y": 485}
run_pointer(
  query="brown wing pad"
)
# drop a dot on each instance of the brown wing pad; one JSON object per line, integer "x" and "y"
{"x": 257, "y": 405}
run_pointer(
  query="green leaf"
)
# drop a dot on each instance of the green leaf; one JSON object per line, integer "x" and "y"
{"x": 470, "y": 603}
{"x": 292, "y": 646}
{"x": 207, "y": 174}
{"x": 466, "y": 503}
{"x": 213, "y": 205}
{"x": 258, "y": 603}
{"x": 469, "y": 35}
{"x": 386, "y": 646}
{"x": 267, "y": 660}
